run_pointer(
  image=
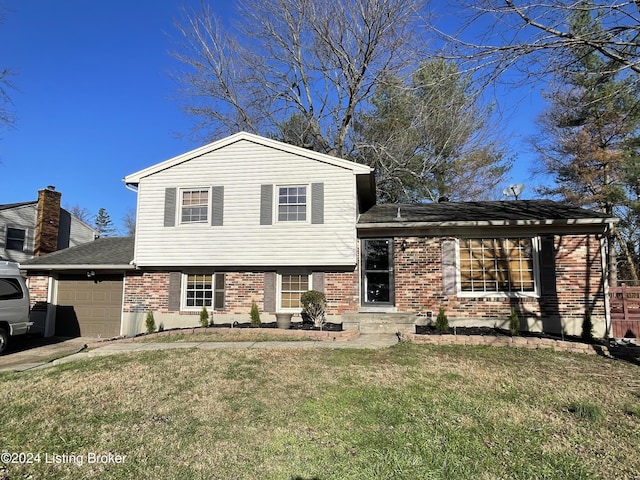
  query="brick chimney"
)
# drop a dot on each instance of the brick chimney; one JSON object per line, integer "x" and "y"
{"x": 48, "y": 221}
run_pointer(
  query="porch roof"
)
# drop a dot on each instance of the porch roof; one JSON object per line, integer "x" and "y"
{"x": 490, "y": 213}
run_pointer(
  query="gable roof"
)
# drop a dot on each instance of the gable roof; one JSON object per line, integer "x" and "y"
{"x": 472, "y": 214}
{"x": 8, "y": 206}
{"x": 107, "y": 252}
{"x": 357, "y": 168}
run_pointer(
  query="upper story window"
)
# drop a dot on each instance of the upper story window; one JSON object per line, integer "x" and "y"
{"x": 194, "y": 206}
{"x": 15, "y": 239}
{"x": 292, "y": 204}
{"x": 504, "y": 265}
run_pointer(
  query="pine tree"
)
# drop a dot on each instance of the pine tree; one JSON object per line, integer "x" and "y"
{"x": 590, "y": 139}
{"x": 103, "y": 224}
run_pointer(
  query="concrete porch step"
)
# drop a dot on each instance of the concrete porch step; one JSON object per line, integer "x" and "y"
{"x": 373, "y": 322}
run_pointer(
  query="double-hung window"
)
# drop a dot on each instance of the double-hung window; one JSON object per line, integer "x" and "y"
{"x": 292, "y": 286}
{"x": 15, "y": 239}
{"x": 203, "y": 290}
{"x": 292, "y": 204}
{"x": 194, "y": 205}
{"x": 497, "y": 265}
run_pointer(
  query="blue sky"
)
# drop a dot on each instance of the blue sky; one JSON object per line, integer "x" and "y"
{"x": 95, "y": 101}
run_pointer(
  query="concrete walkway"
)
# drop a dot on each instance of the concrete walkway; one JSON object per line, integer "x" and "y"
{"x": 365, "y": 341}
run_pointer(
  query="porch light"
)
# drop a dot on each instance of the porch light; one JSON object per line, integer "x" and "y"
{"x": 403, "y": 246}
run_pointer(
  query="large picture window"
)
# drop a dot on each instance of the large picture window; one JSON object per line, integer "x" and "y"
{"x": 292, "y": 204}
{"x": 292, "y": 286}
{"x": 194, "y": 206}
{"x": 497, "y": 265}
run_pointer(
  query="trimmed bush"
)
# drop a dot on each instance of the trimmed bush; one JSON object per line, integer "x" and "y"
{"x": 442, "y": 322}
{"x": 255, "y": 315}
{"x": 314, "y": 304}
{"x": 204, "y": 317}
{"x": 150, "y": 322}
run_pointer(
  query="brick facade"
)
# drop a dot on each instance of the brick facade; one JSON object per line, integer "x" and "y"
{"x": 38, "y": 289}
{"x": 579, "y": 289}
{"x": 150, "y": 291}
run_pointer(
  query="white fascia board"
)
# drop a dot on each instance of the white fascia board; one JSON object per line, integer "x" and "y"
{"x": 77, "y": 267}
{"x": 356, "y": 168}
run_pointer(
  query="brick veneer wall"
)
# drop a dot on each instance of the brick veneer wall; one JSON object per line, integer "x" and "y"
{"x": 419, "y": 286}
{"x": 342, "y": 292}
{"x": 150, "y": 291}
{"x": 38, "y": 289}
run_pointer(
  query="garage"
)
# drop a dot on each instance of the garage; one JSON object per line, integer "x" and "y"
{"x": 89, "y": 307}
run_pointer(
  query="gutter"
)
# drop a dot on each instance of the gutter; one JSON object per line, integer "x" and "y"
{"x": 487, "y": 223}
{"x": 78, "y": 267}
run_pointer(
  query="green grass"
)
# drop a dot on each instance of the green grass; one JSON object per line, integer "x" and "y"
{"x": 408, "y": 412}
{"x": 236, "y": 335}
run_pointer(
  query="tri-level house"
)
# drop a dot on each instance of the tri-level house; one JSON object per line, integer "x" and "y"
{"x": 248, "y": 219}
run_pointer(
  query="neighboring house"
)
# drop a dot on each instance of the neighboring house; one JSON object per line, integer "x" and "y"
{"x": 250, "y": 219}
{"x": 39, "y": 227}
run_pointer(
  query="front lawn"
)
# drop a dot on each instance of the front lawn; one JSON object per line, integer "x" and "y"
{"x": 407, "y": 412}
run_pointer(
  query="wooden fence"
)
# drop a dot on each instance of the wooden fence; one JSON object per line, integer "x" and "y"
{"x": 625, "y": 311}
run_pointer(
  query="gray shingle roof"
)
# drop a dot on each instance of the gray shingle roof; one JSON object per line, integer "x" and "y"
{"x": 504, "y": 212}
{"x": 107, "y": 251}
{"x": 7, "y": 206}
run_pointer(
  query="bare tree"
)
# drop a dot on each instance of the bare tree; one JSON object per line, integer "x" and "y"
{"x": 316, "y": 61}
{"x": 532, "y": 37}
{"x": 129, "y": 222}
{"x": 7, "y": 118}
{"x": 81, "y": 213}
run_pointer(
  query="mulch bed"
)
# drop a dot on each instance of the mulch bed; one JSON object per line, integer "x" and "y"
{"x": 501, "y": 332}
{"x": 328, "y": 327}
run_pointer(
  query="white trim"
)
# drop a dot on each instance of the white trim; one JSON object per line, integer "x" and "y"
{"x": 183, "y": 293}
{"x": 279, "y": 275}
{"x": 183, "y": 190}
{"x": 535, "y": 254}
{"x": 276, "y": 203}
{"x": 356, "y": 168}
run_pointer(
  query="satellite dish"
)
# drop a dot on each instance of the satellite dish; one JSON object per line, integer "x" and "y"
{"x": 513, "y": 190}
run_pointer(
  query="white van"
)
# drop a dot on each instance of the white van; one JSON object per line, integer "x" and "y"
{"x": 14, "y": 303}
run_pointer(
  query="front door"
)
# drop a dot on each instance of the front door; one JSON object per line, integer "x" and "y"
{"x": 377, "y": 272}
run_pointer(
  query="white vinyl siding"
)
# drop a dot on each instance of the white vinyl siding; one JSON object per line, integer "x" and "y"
{"x": 244, "y": 168}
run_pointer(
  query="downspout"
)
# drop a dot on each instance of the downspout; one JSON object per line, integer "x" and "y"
{"x": 605, "y": 280}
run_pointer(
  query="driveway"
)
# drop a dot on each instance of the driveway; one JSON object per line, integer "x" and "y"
{"x": 25, "y": 352}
